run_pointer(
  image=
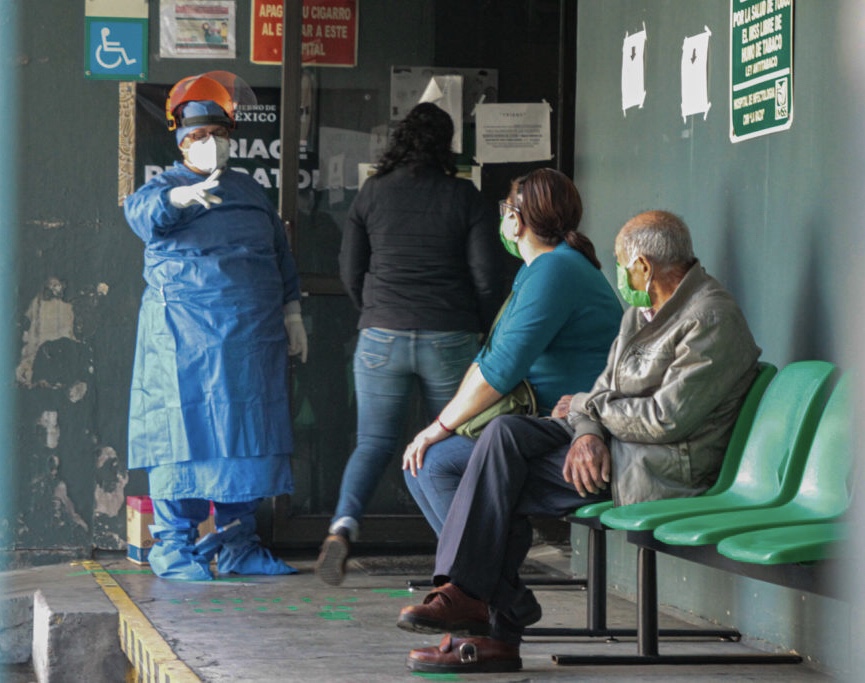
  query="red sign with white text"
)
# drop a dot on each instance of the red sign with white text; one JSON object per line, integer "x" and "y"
{"x": 329, "y": 32}
{"x": 266, "y": 27}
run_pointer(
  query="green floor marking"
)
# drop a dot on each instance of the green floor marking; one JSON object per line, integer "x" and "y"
{"x": 394, "y": 592}
{"x": 335, "y": 616}
{"x": 306, "y": 599}
{"x": 292, "y": 608}
{"x": 437, "y": 677}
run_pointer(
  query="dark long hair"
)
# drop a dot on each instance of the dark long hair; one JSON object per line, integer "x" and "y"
{"x": 551, "y": 206}
{"x": 422, "y": 137}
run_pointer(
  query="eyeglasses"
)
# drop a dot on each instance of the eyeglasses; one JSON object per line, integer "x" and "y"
{"x": 505, "y": 208}
{"x": 201, "y": 134}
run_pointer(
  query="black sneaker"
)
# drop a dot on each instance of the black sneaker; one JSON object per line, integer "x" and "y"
{"x": 330, "y": 566}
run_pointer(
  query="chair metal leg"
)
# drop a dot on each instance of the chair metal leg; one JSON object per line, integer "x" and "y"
{"x": 647, "y": 603}
{"x": 596, "y": 598}
{"x": 596, "y": 605}
{"x": 648, "y": 632}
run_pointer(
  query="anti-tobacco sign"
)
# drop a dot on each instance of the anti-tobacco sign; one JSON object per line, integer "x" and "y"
{"x": 761, "y": 67}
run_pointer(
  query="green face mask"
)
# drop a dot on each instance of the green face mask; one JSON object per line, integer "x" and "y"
{"x": 633, "y": 297}
{"x": 509, "y": 244}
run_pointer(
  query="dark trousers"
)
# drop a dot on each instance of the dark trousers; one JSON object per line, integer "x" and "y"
{"x": 515, "y": 471}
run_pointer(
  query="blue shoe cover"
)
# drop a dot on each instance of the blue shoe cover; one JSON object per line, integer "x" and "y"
{"x": 250, "y": 557}
{"x": 173, "y": 556}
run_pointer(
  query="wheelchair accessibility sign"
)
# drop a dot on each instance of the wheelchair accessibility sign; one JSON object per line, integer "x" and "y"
{"x": 116, "y": 49}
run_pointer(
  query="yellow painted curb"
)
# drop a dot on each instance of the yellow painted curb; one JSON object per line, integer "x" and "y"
{"x": 153, "y": 661}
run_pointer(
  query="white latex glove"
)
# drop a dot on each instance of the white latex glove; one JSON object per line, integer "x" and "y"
{"x": 297, "y": 341}
{"x": 187, "y": 195}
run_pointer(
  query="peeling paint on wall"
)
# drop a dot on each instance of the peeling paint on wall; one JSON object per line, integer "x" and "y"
{"x": 111, "y": 479}
{"x": 63, "y": 504}
{"x": 50, "y": 319}
{"x": 77, "y": 391}
{"x": 110, "y": 499}
{"x": 76, "y": 491}
{"x": 48, "y": 421}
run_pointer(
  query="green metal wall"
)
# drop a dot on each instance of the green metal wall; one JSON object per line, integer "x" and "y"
{"x": 772, "y": 218}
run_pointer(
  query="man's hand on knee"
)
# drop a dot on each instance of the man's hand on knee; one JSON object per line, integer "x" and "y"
{"x": 587, "y": 465}
{"x": 563, "y": 406}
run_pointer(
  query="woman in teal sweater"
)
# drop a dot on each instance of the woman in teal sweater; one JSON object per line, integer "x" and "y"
{"x": 556, "y": 330}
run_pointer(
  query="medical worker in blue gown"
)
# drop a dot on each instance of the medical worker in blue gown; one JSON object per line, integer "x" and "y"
{"x": 209, "y": 411}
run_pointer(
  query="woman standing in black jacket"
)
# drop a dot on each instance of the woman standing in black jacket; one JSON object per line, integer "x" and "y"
{"x": 418, "y": 259}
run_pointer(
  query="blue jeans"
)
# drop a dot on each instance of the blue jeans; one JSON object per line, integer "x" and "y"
{"x": 436, "y": 483}
{"x": 386, "y": 365}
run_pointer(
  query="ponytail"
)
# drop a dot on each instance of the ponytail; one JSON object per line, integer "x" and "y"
{"x": 551, "y": 204}
{"x": 577, "y": 240}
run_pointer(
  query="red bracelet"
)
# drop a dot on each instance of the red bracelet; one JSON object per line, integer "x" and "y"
{"x": 443, "y": 426}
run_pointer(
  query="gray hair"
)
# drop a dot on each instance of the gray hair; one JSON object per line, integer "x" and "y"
{"x": 660, "y": 236}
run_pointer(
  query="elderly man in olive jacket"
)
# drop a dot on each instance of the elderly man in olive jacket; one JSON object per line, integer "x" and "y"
{"x": 661, "y": 413}
{"x": 655, "y": 425}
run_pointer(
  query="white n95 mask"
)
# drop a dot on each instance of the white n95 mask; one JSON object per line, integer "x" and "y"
{"x": 209, "y": 154}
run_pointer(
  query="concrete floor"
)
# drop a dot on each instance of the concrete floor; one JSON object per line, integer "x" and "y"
{"x": 294, "y": 628}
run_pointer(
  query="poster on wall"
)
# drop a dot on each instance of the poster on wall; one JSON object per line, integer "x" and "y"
{"x": 695, "y": 75}
{"x": 328, "y": 32}
{"x": 196, "y": 29}
{"x": 265, "y": 32}
{"x": 633, "y": 70}
{"x": 513, "y": 132}
{"x": 446, "y": 92}
{"x": 456, "y": 90}
{"x": 409, "y": 83}
{"x": 761, "y": 67}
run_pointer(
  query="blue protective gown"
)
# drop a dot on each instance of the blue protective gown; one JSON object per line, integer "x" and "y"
{"x": 209, "y": 408}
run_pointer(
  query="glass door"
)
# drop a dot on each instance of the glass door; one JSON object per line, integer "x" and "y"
{"x": 512, "y": 49}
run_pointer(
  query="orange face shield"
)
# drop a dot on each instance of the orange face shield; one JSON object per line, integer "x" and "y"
{"x": 193, "y": 89}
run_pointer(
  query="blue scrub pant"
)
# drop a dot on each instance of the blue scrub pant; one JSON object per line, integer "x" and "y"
{"x": 188, "y": 513}
{"x": 386, "y": 365}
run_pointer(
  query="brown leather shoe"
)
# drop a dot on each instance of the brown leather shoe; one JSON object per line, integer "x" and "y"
{"x": 330, "y": 566}
{"x": 466, "y": 655}
{"x": 447, "y": 609}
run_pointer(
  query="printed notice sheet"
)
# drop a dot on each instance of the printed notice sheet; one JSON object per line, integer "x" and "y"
{"x": 513, "y": 132}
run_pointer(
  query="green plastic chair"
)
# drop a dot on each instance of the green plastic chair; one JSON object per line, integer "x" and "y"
{"x": 772, "y": 459}
{"x": 589, "y": 516}
{"x": 823, "y": 494}
{"x": 798, "y": 544}
{"x": 769, "y": 469}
